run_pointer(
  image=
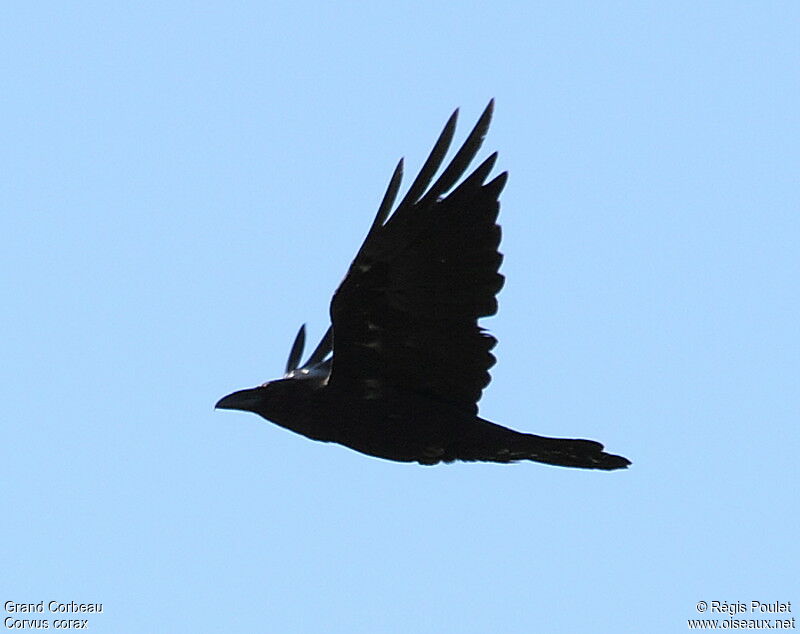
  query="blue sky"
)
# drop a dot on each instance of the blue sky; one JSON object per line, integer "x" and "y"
{"x": 183, "y": 184}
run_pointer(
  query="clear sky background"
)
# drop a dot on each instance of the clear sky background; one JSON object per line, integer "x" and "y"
{"x": 184, "y": 183}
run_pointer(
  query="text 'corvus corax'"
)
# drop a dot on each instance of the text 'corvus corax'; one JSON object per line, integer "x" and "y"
{"x": 399, "y": 373}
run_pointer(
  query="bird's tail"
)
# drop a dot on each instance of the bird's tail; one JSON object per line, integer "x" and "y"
{"x": 567, "y": 452}
{"x": 505, "y": 445}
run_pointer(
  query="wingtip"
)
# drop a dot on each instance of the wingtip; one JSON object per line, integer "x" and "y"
{"x": 388, "y": 198}
{"x": 498, "y": 183}
{"x": 488, "y": 111}
{"x": 449, "y": 129}
{"x": 296, "y": 351}
{"x": 324, "y": 347}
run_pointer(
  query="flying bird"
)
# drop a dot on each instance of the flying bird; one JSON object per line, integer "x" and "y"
{"x": 400, "y": 371}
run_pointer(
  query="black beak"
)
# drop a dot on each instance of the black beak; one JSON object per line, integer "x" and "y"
{"x": 245, "y": 400}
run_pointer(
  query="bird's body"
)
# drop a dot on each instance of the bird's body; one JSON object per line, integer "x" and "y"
{"x": 410, "y": 429}
{"x": 409, "y": 361}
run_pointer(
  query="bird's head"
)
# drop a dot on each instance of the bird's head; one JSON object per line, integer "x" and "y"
{"x": 288, "y": 403}
{"x": 249, "y": 400}
{"x": 268, "y": 400}
{"x": 276, "y": 399}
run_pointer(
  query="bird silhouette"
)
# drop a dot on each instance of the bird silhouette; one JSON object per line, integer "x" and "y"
{"x": 400, "y": 371}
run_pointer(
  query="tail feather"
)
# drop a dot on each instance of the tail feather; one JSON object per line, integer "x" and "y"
{"x": 566, "y": 452}
{"x": 505, "y": 445}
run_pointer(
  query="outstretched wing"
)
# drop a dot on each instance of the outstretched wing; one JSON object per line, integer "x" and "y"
{"x": 405, "y": 317}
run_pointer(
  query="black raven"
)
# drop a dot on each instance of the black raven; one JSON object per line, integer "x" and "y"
{"x": 400, "y": 371}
